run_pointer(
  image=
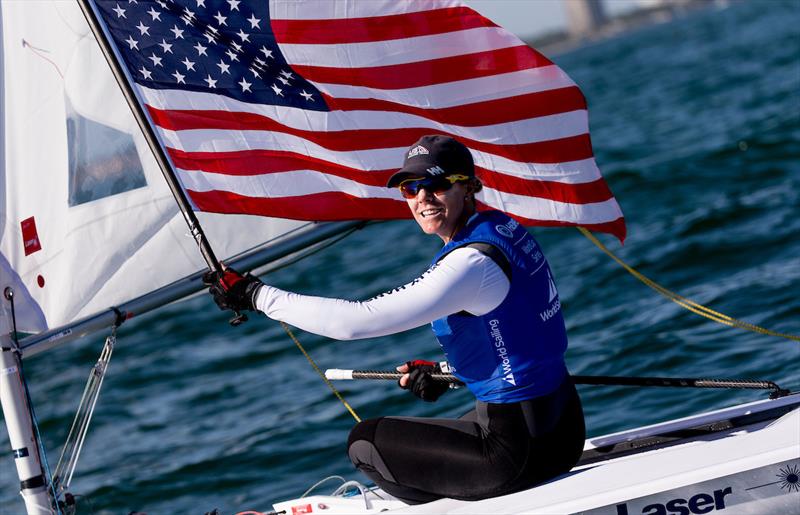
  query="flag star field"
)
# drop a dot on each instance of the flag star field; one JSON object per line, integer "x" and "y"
{"x": 225, "y": 48}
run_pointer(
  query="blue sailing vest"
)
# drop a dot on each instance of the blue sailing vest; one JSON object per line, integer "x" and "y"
{"x": 516, "y": 351}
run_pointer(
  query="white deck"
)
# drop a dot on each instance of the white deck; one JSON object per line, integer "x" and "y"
{"x": 749, "y": 461}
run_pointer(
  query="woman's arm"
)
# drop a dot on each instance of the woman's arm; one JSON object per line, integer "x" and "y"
{"x": 464, "y": 280}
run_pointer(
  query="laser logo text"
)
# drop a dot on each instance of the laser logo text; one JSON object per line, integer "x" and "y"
{"x": 697, "y": 504}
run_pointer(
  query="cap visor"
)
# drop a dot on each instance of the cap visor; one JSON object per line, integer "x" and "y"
{"x": 420, "y": 170}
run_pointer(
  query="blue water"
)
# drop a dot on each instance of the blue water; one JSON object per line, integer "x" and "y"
{"x": 696, "y": 125}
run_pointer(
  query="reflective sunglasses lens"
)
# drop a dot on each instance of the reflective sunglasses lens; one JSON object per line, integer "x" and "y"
{"x": 410, "y": 189}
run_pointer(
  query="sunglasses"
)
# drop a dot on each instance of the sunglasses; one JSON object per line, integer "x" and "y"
{"x": 409, "y": 188}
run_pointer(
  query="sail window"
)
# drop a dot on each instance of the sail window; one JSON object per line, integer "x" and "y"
{"x": 103, "y": 161}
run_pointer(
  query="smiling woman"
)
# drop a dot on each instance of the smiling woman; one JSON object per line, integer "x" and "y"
{"x": 481, "y": 294}
{"x": 438, "y": 182}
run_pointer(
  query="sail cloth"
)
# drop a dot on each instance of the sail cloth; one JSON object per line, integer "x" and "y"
{"x": 303, "y": 109}
{"x": 86, "y": 219}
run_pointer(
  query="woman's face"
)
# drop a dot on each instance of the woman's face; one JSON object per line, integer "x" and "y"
{"x": 439, "y": 213}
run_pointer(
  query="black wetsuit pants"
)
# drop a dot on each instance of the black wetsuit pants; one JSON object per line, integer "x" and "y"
{"x": 493, "y": 450}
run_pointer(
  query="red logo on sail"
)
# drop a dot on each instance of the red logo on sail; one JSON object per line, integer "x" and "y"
{"x": 30, "y": 237}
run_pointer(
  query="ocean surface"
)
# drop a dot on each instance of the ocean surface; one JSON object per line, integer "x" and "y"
{"x": 696, "y": 126}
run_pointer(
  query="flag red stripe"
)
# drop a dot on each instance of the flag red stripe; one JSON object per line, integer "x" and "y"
{"x": 580, "y": 193}
{"x": 430, "y": 72}
{"x": 341, "y": 206}
{"x": 260, "y": 162}
{"x": 378, "y": 28}
{"x": 478, "y": 113}
{"x": 327, "y": 206}
{"x": 574, "y": 148}
{"x": 488, "y": 112}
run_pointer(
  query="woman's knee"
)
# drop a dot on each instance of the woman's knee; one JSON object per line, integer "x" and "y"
{"x": 364, "y": 452}
{"x": 364, "y": 430}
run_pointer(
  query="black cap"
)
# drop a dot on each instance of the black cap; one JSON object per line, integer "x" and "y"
{"x": 434, "y": 156}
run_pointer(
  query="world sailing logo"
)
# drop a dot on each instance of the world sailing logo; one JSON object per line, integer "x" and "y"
{"x": 555, "y": 307}
{"x": 552, "y": 284}
{"x": 502, "y": 352}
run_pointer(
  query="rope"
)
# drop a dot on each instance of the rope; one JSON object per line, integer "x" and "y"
{"x": 689, "y": 304}
{"x": 321, "y": 481}
{"x": 320, "y": 372}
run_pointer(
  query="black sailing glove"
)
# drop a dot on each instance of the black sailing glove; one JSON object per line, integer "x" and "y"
{"x": 420, "y": 381}
{"x": 233, "y": 290}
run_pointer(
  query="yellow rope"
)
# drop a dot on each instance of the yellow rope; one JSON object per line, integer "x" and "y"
{"x": 320, "y": 372}
{"x": 689, "y": 304}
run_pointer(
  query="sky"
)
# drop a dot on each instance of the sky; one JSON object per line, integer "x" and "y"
{"x": 536, "y": 17}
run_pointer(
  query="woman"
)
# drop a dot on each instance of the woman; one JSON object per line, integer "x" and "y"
{"x": 492, "y": 302}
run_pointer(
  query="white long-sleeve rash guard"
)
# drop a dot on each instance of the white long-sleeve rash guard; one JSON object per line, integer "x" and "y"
{"x": 464, "y": 280}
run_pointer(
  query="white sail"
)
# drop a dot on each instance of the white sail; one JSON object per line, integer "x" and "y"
{"x": 87, "y": 221}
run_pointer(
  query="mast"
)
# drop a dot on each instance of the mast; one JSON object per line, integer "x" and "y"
{"x": 21, "y": 433}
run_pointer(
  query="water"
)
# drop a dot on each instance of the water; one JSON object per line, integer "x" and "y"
{"x": 696, "y": 125}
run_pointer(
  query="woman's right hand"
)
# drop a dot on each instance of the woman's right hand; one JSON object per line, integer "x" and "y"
{"x": 232, "y": 290}
{"x": 417, "y": 378}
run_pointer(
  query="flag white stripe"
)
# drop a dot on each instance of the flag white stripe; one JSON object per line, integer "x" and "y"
{"x": 552, "y": 210}
{"x": 569, "y": 123}
{"x": 286, "y": 184}
{"x": 307, "y": 182}
{"x": 208, "y": 140}
{"x": 544, "y": 128}
{"x": 401, "y": 51}
{"x": 326, "y": 9}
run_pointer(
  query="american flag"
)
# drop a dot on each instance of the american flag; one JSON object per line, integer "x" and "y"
{"x": 302, "y": 109}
